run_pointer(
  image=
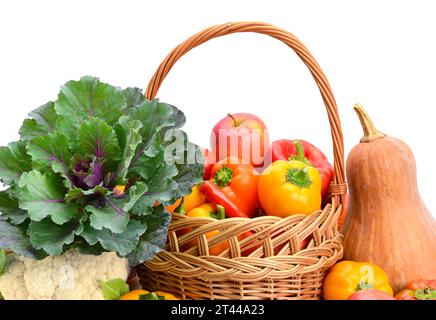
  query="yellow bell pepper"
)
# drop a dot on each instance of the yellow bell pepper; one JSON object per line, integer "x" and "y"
{"x": 191, "y": 201}
{"x": 119, "y": 190}
{"x": 146, "y": 295}
{"x": 290, "y": 187}
{"x": 348, "y": 277}
{"x": 207, "y": 210}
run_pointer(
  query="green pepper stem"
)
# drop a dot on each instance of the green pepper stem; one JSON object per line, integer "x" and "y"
{"x": 221, "y": 212}
{"x": 223, "y": 177}
{"x": 300, "y": 154}
{"x": 181, "y": 207}
{"x": 364, "y": 285}
{"x": 425, "y": 294}
{"x": 300, "y": 151}
{"x": 299, "y": 177}
{"x": 151, "y": 296}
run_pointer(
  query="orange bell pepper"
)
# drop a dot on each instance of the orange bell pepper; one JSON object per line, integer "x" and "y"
{"x": 238, "y": 183}
{"x": 191, "y": 201}
{"x": 348, "y": 277}
{"x": 146, "y": 295}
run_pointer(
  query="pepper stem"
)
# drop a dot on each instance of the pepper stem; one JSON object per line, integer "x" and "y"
{"x": 299, "y": 177}
{"x": 220, "y": 214}
{"x": 181, "y": 207}
{"x": 425, "y": 294}
{"x": 151, "y": 296}
{"x": 223, "y": 177}
{"x": 300, "y": 154}
{"x": 370, "y": 131}
{"x": 364, "y": 285}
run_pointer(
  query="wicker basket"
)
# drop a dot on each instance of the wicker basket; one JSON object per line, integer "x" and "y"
{"x": 276, "y": 268}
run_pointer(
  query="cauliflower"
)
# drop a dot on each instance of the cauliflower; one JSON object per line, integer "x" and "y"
{"x": 71, "y": 276}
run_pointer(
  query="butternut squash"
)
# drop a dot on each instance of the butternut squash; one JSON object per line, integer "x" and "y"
{"x": 387, "y": 223}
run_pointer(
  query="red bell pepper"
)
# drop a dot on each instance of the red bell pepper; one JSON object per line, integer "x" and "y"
{"x": 418, "y": 290}
{"x": 216, "y": 196}
{"x": 239, "y": 183}
{"x": 304, "y": 151}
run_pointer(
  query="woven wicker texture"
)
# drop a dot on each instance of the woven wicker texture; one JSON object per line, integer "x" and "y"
{"x": 262, "y": 258}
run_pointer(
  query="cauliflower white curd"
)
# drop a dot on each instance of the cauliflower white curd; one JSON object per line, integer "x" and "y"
{"x": 71, "y": 276}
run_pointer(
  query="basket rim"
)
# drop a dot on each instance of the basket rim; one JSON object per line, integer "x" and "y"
{"x": 267, "y": 235}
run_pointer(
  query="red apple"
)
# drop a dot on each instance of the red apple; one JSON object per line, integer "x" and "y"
{"x": 370, "y": 294}
{"x": 240, "y": 135}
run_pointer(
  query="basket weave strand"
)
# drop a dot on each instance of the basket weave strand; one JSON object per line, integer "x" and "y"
{"x": 267, "y": 263}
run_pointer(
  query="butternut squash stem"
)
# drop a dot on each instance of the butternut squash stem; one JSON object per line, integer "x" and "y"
{"x": 370, "y": 131}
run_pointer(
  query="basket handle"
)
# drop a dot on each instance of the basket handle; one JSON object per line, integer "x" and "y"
{"x": 338, "y": 186}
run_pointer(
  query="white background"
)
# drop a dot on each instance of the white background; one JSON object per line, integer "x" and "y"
{"x": 379, "y": 53}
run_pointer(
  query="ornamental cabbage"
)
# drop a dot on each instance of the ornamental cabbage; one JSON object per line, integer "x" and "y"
{"x": 64, "y": 175}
